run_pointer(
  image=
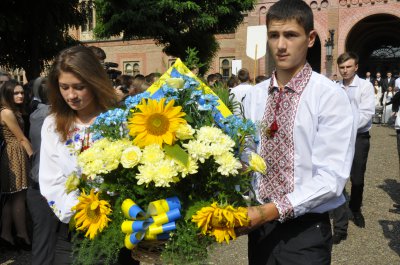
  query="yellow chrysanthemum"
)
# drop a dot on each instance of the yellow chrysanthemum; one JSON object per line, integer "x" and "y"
{"x": 220, "y": 222}
{"x": 257, "y": 163}
{"x": 91, "y": 214}
{"x": 156, "y": 122}
{"x": 72, "y": 182}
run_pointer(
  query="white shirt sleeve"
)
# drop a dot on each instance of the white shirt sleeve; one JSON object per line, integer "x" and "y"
{"x": 56, "y": 163}
{"x": 366, "y": 104}
{"x": 323, "y": 154}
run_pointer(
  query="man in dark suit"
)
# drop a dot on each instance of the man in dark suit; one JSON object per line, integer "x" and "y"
{"x": 379, "y": 78}
{"x": 388, "y": 81}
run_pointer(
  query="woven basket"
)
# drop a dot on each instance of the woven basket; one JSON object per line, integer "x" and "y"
{"x": 149, "y": 251}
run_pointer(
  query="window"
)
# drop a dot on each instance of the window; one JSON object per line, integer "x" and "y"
{"x": 225, "y": 65}
{"x": 132, "y": 68}
{"x": 88, "y": 11}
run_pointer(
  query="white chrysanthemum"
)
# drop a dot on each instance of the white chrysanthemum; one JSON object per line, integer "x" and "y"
{"x": 102, "y": 157}
{"x": 189, "y": 169}
{"x": 131, "y": 156}
{"x": 209, "y": 135}
{"x": 152, "y": 154}
{"x": 198, "y": 150}
{"x": 162, "y": 173}
{"x": 229, "y": 165}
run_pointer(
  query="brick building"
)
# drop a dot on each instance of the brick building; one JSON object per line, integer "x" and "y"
{"x": 369, "y": 27}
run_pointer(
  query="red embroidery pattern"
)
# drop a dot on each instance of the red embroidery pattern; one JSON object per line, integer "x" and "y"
{"x": 278, "y": 151}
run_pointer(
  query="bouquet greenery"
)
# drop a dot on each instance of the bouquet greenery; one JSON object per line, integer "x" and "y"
{"x": 174, "y": 149}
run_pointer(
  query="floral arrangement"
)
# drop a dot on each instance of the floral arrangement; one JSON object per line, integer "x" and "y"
{"x": 175, "y": 148}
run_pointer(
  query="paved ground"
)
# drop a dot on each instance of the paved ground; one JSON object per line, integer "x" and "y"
{"x": 377, "y": 244}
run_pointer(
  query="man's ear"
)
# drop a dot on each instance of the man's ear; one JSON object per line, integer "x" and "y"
{"x": 311, "y": 38}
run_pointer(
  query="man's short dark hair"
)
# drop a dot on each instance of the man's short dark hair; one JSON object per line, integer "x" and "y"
{"x": 347, "y": 56}
{"x": 298, "y": 10}
{"x": 243, "y": 75}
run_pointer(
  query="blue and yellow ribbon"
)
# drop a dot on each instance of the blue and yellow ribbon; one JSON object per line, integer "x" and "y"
{"x": 155, "y": 224}
{"x": 180, "y": 69}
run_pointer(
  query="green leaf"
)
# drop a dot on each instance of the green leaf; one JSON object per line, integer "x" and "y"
{"x": 189, "y": 118}
{"x": 177, "y": 153}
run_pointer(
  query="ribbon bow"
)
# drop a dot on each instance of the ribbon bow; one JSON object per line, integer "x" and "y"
{"x": 155, "y": 224}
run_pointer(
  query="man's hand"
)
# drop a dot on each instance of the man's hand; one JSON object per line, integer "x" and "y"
{"x": 258, "y": 216}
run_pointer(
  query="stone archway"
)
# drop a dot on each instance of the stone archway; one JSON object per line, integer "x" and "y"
{"x": 376, "y": 39}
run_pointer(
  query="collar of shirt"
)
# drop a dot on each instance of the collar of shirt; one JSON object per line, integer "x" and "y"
{"x": 296, "y": 84}
{"x": 353, "y": 83}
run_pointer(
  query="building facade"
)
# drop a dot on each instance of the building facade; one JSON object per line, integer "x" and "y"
{"x": 371, "y": 28}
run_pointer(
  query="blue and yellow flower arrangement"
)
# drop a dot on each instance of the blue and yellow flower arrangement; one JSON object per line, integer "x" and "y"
{"x": 174, "y": 149}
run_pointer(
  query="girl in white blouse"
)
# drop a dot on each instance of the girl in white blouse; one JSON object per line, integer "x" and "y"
{"x": 387, "y": 97}
{"x": 79, "y": 90}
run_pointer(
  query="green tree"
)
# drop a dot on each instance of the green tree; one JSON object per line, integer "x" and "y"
{"x": 33, "y": 32}
{"x": 174, "y": 24}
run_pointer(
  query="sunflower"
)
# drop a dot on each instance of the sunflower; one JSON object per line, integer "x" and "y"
{"x": 156, "y": 122}
{"x": 91, "y": 213}
{"x": 220, "y": 221}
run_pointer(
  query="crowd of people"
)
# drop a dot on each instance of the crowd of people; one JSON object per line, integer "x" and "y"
{"x": 310, "y": 151}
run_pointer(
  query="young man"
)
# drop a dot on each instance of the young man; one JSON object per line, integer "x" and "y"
{"x": 240, "y": 90}
{"x": 306, "y": 129}
{"x": 362, "y": 94}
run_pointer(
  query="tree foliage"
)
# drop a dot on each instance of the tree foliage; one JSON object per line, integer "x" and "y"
{"x": 33, "y": 32}
{"x": 174, "y": 24}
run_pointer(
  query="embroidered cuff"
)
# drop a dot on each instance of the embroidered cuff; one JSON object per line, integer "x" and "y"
{"x": 285, "y": 209}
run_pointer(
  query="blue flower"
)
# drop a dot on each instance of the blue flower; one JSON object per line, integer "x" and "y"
{"x": 133, "y": 101}
{"x": 235, "y": 126}
{"x": 77, "y": 137}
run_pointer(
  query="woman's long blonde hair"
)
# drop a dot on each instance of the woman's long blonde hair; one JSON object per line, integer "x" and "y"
{"x": 84, "y": 65}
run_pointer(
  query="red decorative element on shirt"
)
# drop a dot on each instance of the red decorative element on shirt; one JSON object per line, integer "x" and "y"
{"x": 278, "y": 149}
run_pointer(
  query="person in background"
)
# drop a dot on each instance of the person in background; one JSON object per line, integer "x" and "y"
{"x": 79, "y": 90}
{"x": 151, "y": 78}
{"x": 14, "y": 166}
{"x": 378, "y": 93}
{"x": 362, "y": 92}
{"x": 305, "y": 129}
{"x": 4, "y": 77}
{"x": 123, "y": 87}
{"x": 44, "y": 221}
{"x": 369, "y": 78}
{"x": 99, "y": 53}
{"x": 387, "y": 112}
{"x": 211, "y": 80}
{"x": 261, "y": 78}
{"x": 232, "y": 82}
{"x": 137, "y": 85}
{"x": 334, "y": 78}
{"x": 240, "y": 90}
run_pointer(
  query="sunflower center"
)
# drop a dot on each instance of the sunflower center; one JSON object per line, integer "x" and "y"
{"x": 157, "y": 124}
{"x": 93, "y": 212}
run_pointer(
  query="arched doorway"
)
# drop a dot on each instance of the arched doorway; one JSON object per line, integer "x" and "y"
{"x": 376, "y": 40}
{"x": 314, "y": 55}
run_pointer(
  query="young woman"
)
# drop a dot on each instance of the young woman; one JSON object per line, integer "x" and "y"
{"x": 378, "y": 93}
{"x": 14, "y": 166}
{"x": 79, "y": 90}
{"x": 387, "y": 97}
